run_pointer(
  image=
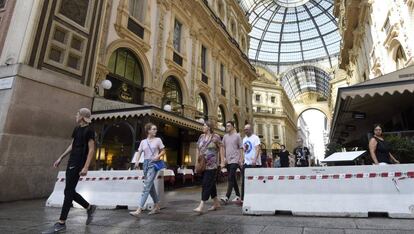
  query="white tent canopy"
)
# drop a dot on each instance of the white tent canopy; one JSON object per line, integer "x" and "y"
{"x": 343, "y": 156}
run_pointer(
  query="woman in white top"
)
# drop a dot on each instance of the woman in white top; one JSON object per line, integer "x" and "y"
{"x": 153, "y": 149}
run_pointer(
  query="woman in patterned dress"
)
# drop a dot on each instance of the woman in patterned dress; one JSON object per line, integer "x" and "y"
{"x": 208, "y": 146}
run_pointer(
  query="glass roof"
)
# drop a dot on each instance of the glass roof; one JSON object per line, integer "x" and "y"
{"x": 305, "y": 79}
{"x": 292, "y": 31}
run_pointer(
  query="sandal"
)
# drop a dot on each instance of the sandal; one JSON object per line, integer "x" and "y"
{"x": 197, "y": 210}
{"x": 214, "y": 207}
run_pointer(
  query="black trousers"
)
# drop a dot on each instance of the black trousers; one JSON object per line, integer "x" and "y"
{"x": 209, "y": 185}
{"x": 232, "y": 180}
{"x": 243, "y": 178}
{"x": 284, "y": 163}
{"x": 72, "y": 178}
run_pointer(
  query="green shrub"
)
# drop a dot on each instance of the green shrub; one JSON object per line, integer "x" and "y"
{"x": 402, "y": 148}
{"x": 331, "y": 148}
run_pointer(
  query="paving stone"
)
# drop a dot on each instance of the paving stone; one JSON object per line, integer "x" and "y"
{"x": 285, "y": 230}
{"x": 178, "y": 217}
{"x": 307, "y": 230}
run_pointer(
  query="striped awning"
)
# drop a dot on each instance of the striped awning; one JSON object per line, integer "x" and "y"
{"x": 378, "y": 100}
{"x": 147, "y": 111}
{"x": 395, "y": 82}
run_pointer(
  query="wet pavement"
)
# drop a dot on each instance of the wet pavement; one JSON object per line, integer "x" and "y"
{"x": 178, "y": 217}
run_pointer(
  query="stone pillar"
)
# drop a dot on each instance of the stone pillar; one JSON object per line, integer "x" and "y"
{"x": 101, "y": 73}
{"x": 159, "y": 48}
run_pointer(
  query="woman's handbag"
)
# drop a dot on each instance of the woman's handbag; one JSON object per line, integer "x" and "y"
{"x": 201, "y": 160}
{"x": 159, "y": 165}
{"x": 201, "y": 164}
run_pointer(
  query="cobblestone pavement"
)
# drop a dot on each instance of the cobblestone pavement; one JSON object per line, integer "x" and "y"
{"x": 33, "y": 217}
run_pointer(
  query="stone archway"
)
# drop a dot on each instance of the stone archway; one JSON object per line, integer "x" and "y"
{"x": 320, "y": 106}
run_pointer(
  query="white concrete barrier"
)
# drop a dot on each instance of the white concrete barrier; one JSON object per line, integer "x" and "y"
{"x": 109, "y": 189}
{"x": 347, "y": 191}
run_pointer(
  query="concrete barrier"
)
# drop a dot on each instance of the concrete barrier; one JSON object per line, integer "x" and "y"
{"x": 346, "y": 191}
{"x": 109, "y": 189}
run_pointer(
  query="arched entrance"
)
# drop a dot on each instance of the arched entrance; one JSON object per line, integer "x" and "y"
{"x": 313, "y": 131}
{"x": 126, "y": 75}
{"x": 116, "y": 149}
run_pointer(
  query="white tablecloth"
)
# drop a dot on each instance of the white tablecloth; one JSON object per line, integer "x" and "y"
{"x": 168, "y": 172}
{"x": 185, "y": 171}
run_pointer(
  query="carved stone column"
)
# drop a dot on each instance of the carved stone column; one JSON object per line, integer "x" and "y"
{"x": 153, "y": 96}
{"x": 101, "y": 73}
{"x": 159, "y": 48}
{"x": 189, "y": 111}
{"x": 194, "y": 64}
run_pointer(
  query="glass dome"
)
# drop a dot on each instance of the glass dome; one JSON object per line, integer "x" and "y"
{"x": 292, "y": 31}
{"x": 306, "y": 79}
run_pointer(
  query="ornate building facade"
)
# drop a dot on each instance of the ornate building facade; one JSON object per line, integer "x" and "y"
{"x": 377, "y": 38}
{"x": 376, "y": 58}
{"x": 273, "y": 113}
{"x": 58, "y": 55}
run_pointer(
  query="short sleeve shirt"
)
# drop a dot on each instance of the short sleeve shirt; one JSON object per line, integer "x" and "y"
{"x": 232, "y": 144}
{"x": 249, "y": 146}
{"x": 301, "y": 156}
{"x": 209, "y": 147}
{"x": 151, "y": 148}
{"x": 80, "y": 148}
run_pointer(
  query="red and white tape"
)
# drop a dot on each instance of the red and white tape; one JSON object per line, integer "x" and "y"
{"x": 108, "y": 178}
{"x": 402, "y": 175}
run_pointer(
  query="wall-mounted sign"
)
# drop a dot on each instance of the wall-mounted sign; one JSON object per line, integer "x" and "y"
{"x": 6, "y": 83}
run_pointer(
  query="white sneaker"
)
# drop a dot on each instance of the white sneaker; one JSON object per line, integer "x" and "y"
{"x": 236, "y": 199}
{"x": 224, "y": 199}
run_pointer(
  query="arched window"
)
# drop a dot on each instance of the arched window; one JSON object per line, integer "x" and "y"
{"x": 400, "y": 58}
{"x": 236, "y": 122}
{"x": 221, "y": 122}
{"x": 201, "y": 107}
{"x": 137, "y": 9}
{"x": 126, "y": 75}
{"x": 172, "y": 94}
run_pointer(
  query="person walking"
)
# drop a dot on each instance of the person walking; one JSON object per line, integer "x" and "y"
{"x": 263, "y": 156}
{"x": 284, "y": 156}
{"x": 251, "y": 147}
{"x": 379, "y": 148}
{"x": 301, "y": 154}
{"x": 81, "y": 150}
{"x": 209, "y": 147}
{"x": 233, "y": 151}
{"x": 153, "y": 149}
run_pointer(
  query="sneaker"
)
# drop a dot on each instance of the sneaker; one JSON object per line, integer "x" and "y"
{"x": 154, "y": 211}
{"x": 236, "y": 199}
{"x": 224, "y": 199}
{"x": 59, "y": 227}
{"x": 90, "y": 213}
{"x": 136, "y": 213}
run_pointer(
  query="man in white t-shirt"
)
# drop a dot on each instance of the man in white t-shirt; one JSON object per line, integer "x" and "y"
{"x": 251, "y": 146}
